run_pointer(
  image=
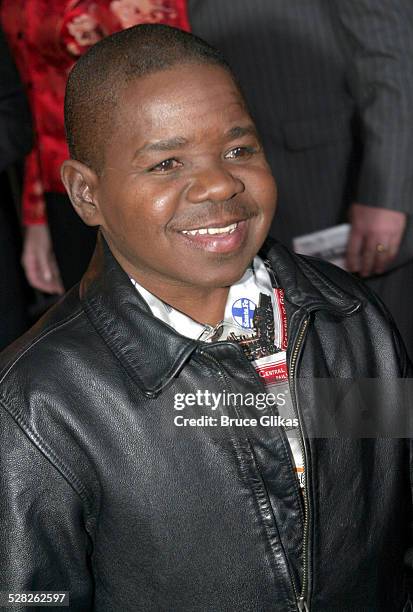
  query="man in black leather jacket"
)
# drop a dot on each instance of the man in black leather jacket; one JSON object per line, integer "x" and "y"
{"x": 103, "y": 495}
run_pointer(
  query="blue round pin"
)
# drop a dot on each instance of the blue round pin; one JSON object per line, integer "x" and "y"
{"x": 243, "y": 312}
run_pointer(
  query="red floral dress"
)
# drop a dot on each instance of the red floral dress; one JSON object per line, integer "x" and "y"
{"x": 46, "y": 37}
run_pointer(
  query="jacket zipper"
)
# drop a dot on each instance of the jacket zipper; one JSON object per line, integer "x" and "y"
{"x": 301, "y": 598}
{"x": 301, "y": 601}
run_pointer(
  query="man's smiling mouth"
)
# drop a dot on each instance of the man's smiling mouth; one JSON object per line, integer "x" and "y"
{"x": 217, "y": 237}
{"x": 212, "y": 231}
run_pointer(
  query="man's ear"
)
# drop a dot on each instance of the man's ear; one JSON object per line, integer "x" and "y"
{"x": 81, "y": 183}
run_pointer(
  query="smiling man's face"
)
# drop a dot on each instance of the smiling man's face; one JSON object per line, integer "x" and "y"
{"x": 185, "y": 197}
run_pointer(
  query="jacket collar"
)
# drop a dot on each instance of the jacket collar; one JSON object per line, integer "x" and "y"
{"x": 151, "y": 352}
{"x": 305, "y": 286}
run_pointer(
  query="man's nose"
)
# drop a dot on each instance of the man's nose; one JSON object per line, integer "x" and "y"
{"x": 216, "y": 184}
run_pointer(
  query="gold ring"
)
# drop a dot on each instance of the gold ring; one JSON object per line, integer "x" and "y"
{"x": 381, "y": 248}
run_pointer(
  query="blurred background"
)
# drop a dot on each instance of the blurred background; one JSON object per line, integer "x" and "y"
{"x": 329, "y": 84}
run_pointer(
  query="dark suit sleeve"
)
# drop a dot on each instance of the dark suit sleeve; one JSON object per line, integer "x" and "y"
{"x": 377, "y": 39}
{"x": 44, "y": 545}
{"x": 15, "y": 122}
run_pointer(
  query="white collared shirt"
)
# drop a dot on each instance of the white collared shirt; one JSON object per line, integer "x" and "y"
{"x": 243, "y": 296}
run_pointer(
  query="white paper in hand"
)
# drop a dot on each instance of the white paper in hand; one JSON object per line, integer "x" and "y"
{"x": 329, "y": 244}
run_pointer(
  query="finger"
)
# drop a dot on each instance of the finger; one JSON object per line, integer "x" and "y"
{"x": 380, "y": 264}
{"x": 44, "y": 260}
{"x": 51, "y": 274}
{"x": 29, "y": 266}
{"x": 57, "y": 281}
{"x": 377, "y": 254}
{"x": 353, "y": 254}
{"x": 42, "y": 273}
{"x": 56, "y": 288}
{"x": 36, "y": 280}
{"x": 33, "y": 275}
{"x": 370, "y": 253}
{"x": 384, "y": 258}
{"x": 368, "y": 256}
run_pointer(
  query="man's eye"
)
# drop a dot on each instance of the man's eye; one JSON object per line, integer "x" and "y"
{"x": 164, "y": 166}
{"x": 240, "y": 153}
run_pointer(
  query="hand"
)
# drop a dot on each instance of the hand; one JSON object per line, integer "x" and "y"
{"x": 39, "y": 262}
{"x": 375, "y": 238}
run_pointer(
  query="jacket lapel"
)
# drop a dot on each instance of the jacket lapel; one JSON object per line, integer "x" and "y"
{"x": 304, "y": 285}
{"x": 149, "y": 350}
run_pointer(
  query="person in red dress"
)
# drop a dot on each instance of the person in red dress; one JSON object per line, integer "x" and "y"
{"x": 46, "y": 38}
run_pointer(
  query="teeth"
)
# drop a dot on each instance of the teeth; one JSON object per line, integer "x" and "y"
{"x": 212, "y": 230}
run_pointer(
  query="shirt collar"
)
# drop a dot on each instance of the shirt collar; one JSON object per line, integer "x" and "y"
{"x": 254, "y": 281}
{"x": 176, "y": 319}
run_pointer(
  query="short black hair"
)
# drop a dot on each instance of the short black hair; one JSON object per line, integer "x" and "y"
{"x": 96, "y": 80}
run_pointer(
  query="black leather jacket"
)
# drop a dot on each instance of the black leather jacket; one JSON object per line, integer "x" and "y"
{"x": 103, "y": 496}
